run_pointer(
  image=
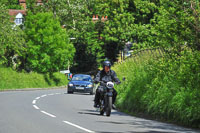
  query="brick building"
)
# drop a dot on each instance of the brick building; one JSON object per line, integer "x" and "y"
{"x": 18, "y": 15}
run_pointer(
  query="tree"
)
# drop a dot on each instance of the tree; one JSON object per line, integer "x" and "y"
{"x": 177, "y": 24}
{"x": 88, "y": 46}
{"x": 11, "y": 4}
{"x": 128, "y": 20}
{"x": 77, "y": 18}
{"x": 11, "y": 40}
{"x": 48, "y": 46}
{"x": 33, "y": 7}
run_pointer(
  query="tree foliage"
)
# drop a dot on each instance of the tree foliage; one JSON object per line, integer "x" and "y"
{"x": 177, "y": 24}
{"x": 77, "y": 19}
{"x": 33, "y": 7}
{"x": 48, "y": 46}
{"x": 155, "y": 23}
{"x": 89, "y": 47}
{"x": 10, "y": 4}
{"x": 128, "y": 20}
{"x": 11, "y": 39}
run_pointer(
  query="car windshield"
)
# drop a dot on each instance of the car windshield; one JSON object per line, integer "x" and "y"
{"x": 81, "y": 78}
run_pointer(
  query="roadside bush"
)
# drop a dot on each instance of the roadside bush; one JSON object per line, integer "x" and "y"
{"x": 175, "y": 88}
{"x": 133, "y": 88}
{"x": 165, "y": 88}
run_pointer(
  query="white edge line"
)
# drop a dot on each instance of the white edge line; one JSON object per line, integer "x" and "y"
{"x": 37, "y": 98}
{"x": 48, "y": 114}
{"x": 34, "y": 101}
{"x": 36, "y": 107}
{"x": 89, "y": 131}
{"x": 50, "y": 94}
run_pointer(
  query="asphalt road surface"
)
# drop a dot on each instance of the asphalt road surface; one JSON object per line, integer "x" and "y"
{"x": 55, "y": 111}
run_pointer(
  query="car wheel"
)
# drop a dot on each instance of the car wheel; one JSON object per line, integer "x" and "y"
{"x": 91, "y": 93}
{"x": 70, "y": 92}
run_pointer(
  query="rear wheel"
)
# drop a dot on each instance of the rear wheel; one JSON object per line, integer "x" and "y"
{"x": 109, "y": 106}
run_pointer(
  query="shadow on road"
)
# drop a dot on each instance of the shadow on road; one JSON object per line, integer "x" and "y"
{"x": 96, "y": 112}
{"x": 77, "y": 93}
{"x": 138, "y": 132}
{"x": 150, "y": 126}
{"x": 90, "y": 112}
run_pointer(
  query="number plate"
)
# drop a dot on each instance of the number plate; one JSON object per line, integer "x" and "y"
{"x": 80, "y": 88}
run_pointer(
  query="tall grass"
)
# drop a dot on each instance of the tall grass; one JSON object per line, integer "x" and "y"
{"x": 10, "y": 79}
{"x": 166, "y": 88}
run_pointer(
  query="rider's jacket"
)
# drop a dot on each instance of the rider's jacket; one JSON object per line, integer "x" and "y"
{"x": 106, "y": 77}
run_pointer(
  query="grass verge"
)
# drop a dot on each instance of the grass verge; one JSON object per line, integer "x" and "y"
{"x": 10, "y": 79}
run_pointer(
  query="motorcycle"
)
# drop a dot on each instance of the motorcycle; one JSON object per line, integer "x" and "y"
{"x": 106, "y": 98}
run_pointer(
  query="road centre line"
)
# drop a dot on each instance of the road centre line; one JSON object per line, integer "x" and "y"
{"x": 51, "y": 115}
{"x": 36, "y": 107}
{"x": 48, "y": 114}
{"x": 34, "y": 101}
{"x": 89, "y": 131}
{"x": 43, "y": 95}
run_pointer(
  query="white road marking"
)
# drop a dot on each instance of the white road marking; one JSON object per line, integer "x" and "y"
{"x": 37, "y": 98}
{"x": 48, "y": 114}
{"x": 89, "y": 131}
{"x": 51, "y": 115}
{"x": 34, "y": 101}
{"x": 36, "y": 107}
{"x": 43, "y": 95}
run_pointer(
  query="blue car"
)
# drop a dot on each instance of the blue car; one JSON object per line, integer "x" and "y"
{"x": 81, "y": 83}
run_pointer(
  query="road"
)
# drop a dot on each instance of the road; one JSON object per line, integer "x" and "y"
{"x": 55, "y": 111}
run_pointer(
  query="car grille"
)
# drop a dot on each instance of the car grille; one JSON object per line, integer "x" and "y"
{"x": 80, "y": 85}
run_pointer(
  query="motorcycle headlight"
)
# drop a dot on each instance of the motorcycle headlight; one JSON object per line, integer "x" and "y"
{"x": 70, "y": 84}
{"x": 110, "y": 85}
{"x": 90, "y": 85}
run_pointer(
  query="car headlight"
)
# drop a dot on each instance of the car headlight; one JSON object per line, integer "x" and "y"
{"x": 90, "y": 85}
{"x": 70, "y": 84}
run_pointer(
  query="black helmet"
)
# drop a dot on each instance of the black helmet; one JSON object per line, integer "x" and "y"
{"x": 106, "y": 63}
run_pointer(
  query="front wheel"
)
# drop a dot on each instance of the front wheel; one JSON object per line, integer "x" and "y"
{"x": 70, "y": 92}
{"x": 91, "y": 93}
{"x": 101, "y": 107}
{"x": 109, "y": 106}
{"x": 101, "y": 111}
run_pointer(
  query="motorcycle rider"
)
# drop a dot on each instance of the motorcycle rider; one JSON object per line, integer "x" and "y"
{"x": 104, "y": 76}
